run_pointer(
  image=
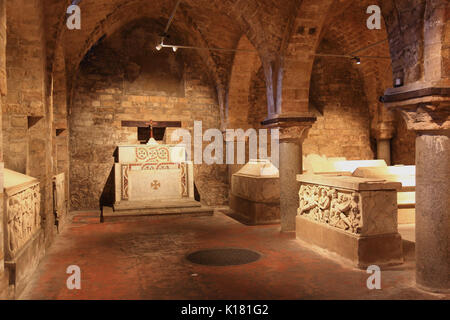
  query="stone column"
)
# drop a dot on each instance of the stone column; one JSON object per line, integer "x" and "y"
{"x": 433, "y": 210}
{"x": 426, "y": 110}
{"x": 384, "y": 133}
{"x": 293, "y": 131}
{"x": 384, "y": 150}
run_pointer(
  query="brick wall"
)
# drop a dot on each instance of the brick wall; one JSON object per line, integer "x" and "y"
{"x": 343, "y": 123}
{"x": 134, "y": 82}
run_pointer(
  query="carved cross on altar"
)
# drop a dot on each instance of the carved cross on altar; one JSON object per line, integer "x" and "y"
{"x": 156, "y": 184}
{"x": 151, "y": 125}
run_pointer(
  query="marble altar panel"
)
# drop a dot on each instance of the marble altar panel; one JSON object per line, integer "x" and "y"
{"x": 156, "y": 153}
{"x": 154, "y": 185}
{"x": 153, "y": 172}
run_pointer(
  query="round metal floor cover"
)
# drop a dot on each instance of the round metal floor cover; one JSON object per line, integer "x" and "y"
{"x": 223, "y": 257}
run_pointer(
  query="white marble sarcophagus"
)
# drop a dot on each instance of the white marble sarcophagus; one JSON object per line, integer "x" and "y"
{"x": 255, "y": 193}
{"x": 315, "y": 164}
{"x": 353, "y": 217}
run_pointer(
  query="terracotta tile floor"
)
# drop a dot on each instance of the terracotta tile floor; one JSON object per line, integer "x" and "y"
{"x": 145, "y": 259}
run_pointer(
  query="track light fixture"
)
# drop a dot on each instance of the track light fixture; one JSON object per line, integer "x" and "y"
{"x": 174, "y": 48}
{"x": 159, "y": 46}
{"x": 357, "y": 60}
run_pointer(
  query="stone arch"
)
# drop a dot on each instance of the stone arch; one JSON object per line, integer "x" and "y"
{"x": 106, "y": 92}
{"x": 404, "y": 22}
{"x": 245, "y": 65}
{"x": 119, "y": 18}
{"x": 300, "y": 42}
{"x": 346, "y": 34}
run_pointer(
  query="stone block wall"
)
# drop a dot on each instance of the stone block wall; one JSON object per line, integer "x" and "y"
{"x": 337, "y": 97}
{"x": 117, "y": 84}
{"x": 26, "y": 121}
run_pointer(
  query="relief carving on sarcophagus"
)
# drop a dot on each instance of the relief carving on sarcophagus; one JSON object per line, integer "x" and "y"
{"x": 23, "y": 218}
{"x": 331, "y": 206}
{"x": 350, "y": 216}
{"x": 22, "y": 231}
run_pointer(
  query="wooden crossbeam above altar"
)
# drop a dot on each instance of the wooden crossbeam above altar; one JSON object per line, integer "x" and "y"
{"x": 151, "y": 124}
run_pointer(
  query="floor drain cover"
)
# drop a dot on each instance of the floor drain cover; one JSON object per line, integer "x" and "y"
{"x": 223, "y": 257}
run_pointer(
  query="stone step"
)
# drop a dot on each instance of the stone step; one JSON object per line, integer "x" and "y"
{"x": 156, "y": 204}
{"x": 109, "y": 214}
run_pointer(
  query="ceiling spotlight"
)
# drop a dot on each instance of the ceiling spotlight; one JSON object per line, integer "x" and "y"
{"x": 174, "y": 48}
{"x": 159, "y": 47}
{"x": 357, "y": 60}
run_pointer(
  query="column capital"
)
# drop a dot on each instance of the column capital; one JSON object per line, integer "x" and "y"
{"x": 385, "y": 130}
{"x": 424, "y": 106}
{"x": 293, "y": 126}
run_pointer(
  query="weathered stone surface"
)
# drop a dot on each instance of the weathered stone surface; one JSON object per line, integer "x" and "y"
{"x": 354, "y": 217}
{"x": 293, "y": 129}
{"x": 432, "y": 211}
{"x": 96, "y": 129}
{"x": 24, "y": 238}
{"x": 64, "y": 93}
{"x": 380, "y": 250}
{"x": 255, "y": 193}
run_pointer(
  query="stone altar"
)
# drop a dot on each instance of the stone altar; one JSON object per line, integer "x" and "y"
{"x": 406, "y": 196}
{"x": 153, "y": 179}
{"x": 255, "y": 193}
{"x": 351, "y": 216}
{"x": 23, "y": 237}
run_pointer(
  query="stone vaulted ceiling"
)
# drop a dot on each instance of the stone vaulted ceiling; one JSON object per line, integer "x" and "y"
{"x": 211, "y": 23}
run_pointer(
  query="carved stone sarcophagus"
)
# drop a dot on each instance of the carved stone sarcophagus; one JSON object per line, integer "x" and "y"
{"x": 406, "y": 196}
{"x": 353, "y": 217}
{"x": 255, "y": 193}
{"x": 22, "y": 234}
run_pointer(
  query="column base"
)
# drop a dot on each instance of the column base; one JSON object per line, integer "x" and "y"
{"x": 360, "y": 251}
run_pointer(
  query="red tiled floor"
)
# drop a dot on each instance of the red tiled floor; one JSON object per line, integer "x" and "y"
{"x": 145, "y": 259}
